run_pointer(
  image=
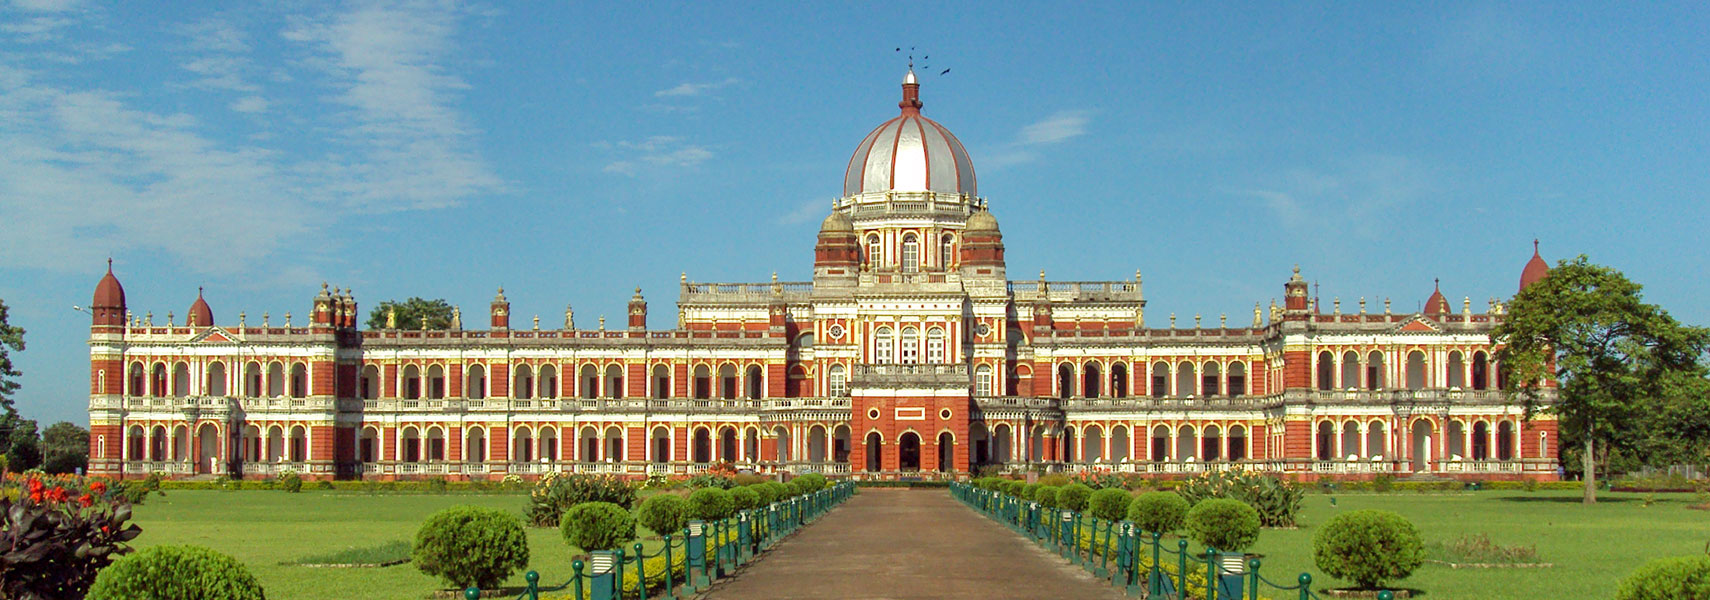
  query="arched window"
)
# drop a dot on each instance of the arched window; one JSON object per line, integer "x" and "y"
{"x": 1480, "y": 371}
{"x": 661, "y": 381}
{"x": 834, "y": 381}
{"x": 1184, "y": 380}
{"x": 1160, "y": 379}
{"x": 475, "y": 382}
{"x": 755, "y": 382}
{"x": 1237, "y": 442}
{"x": 910, "y": 254}
{"x": 1119, "y": 380}
{"x": 983, "y": 380}
{"x": 1211, "y": 380}
{"x": 299, "y": 381}
{"x": 935, "y": 346}
{"x": 614, "y": 381}
{"x": 181, "y": 380}
{"x": 1237, "y": 378}
{"x": 1326, "y": 371}
{"x": 589, "y": 379}
{"x": 1065, "y": 380}
{"x": 216, "y": 380}
{"x": 908, "y": 350}
{"x": 946, "y": 251}
{"x": 412, "y": 382}
{"x": 1160, "y": 443}
{"x": 275, "y": 380}
{"x": 548, "y": 381}
{"x": 883, "y": 346}
{"x": 1374, "y": 371}
{"x": 727, "y": 382}
{"x": 139, "y": 383}
{"x": 875, "y": 252}
{"x": 1416, "y": 370}
{"x": 436, "y": 382}
{"x": 522, "y": 385}
{"x": 1091, "y": 379}
{"x": 1350, "y": 371}
{"x": 1457, "y": 371}
{"x": 251, "y": 379}
{"x": 369, "y": 384}
{"x": 703, "y": 382}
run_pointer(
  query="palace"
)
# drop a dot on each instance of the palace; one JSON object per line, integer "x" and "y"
{"x": 911, "y": 353}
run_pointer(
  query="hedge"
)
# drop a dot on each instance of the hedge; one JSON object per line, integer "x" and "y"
{"x": 174, "y": 573}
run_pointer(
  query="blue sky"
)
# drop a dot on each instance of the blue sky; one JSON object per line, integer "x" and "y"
{"x": 571, "y": 152}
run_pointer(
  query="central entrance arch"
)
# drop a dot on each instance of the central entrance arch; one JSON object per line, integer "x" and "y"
{"x": 873, "y": 457}
{"x": 908, "y": 452}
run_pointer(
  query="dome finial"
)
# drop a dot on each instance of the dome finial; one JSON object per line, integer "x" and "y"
{"x": 910, "y": 104}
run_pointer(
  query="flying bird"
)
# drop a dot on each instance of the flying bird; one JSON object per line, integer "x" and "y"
{"x": 944, "y": 72}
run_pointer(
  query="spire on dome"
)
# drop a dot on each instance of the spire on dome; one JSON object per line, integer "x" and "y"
{"x": 1535, "y": 269}
{"x": 910, "y": 104}
{"x": 108, "y": 304}
{"x": 199, "y": 315}
{"x": 1436, "y": 304}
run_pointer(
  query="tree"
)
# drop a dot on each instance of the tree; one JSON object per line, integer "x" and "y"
{"x": 10, "y": 337}
{"x": 410, "y": 314}
{"x": 23, "y": 445}
{"x": 66, "y": 448}
{"x": 1610, "y": 354}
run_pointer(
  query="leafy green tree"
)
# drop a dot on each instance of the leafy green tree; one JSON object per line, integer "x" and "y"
{"x": 1610, "y": 353}
{"x": 65, "y": 447}
{"x": 10, "y": 337}
{"x": 410, "y": 314}
{"x": 23, "y": 444}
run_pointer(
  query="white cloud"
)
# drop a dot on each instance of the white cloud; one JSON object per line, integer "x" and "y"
{"x": 250, "y": 104}
{"x": 1364, "y": 194}
{"x": 1057, "y": 128}
{"x": 661, "y": 151}
{"x": 695, "y": 89}
{"x": 46, "y": 5}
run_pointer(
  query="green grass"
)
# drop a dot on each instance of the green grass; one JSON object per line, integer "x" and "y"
{"x": 1593, "y": 547}
{"x": 383, "y": 554}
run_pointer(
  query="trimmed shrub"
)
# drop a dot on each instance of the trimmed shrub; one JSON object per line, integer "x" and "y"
{"x": 710, "y": 504}
{"x": 471, "y": 546}
{"x": 1074, "y": 497}
{"x": 174, "y": 573}
{"x": 1110, "y": 504}
{"x": 1668, "y": 579}
{"x": 555, "y": 492}
{"x": 290, "y": 481}
{"x": 1046, "y": 496}
{"x": 744, "y": 498}
{"x": 1160, "y": 511}
{"x": 1029, "y": 490}
{"x": 665, "y": 514}
{"x": 767, "y": 493}
{"x": 779, "y": 491}
{"x": 597, "y": 526}
{"x": 812, "y": 482}
{"x": 795, "y": 488}
{"x": 1055, "y": 479}
{"x": 1225, "y": 524}
{"x": 1369, "y": 547}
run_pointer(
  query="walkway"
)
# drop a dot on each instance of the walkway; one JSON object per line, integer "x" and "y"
{"x": 899, "y": 543}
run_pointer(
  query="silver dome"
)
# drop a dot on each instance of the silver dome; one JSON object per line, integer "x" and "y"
{"x": 910, "y": 153}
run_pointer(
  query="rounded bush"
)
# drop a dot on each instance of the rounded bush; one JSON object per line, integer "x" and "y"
{"x": 710, "y": 504}
{"x": 1110, "y": 504}
{"x": 1074, "y": 497}
{"x": 744, "y": 498}
{"x": 1369, "y": 547}
{"x": 812, "y": 482}
{"x": 175, "y": 572}
{"x": 1663, "y": 578}
{"x": 597, "y": 526}
{"x": 665, "y": 514}
{"x": 290, "y": 481}
{"x": 471, "y": 546}
{"x": 1224, "y": 524}
{"x": 779, "y": 491}
{"x": 795, "y": 487}
{"x": 767, "y": 493}
{"x": 1029, "y": 490}
{"x": 1160, "y": 511}
{"x": 1046, "y": 496}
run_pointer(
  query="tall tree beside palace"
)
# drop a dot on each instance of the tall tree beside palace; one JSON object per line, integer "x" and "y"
{"x": 10, "y": 338}
{"x": 1587, "y": 327}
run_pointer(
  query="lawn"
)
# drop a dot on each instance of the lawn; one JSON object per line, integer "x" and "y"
{"x": 1592, "y": 547}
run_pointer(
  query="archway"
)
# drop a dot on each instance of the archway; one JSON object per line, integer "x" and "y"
{"x": 208, "y": 440}
{"x": 1421, "y": 445}
{"x": 946, "y": 452}
{"x": 873, "y": 442}
{"x": 908, "y": 452}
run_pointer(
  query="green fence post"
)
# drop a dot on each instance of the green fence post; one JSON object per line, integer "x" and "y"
{"x": 695, "y": 555}
{"x": 534, "y": 594}
{"x": 1253, "y": 579}
{"x": 1104, "y": 550}
{"x": 1153, "y": 584}
{"x": 1305, "y": 586}
{"x": 1181, "y": 568}
{"x": 533, "y": 579}
{"x": 641, "y": 572}
{"x": 472, "y": 594}
{"x": 1386, "y": 595}
{"x": 1211, "y": 573}
{"x": 670, "y": 568}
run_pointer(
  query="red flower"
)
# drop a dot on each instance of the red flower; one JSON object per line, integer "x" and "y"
{"x": 36, "y": 497}
{"x": 99, "y": 487}
{"x": 86, "y": 500}
{"x": 34, "y": 485}
{"x": 58, "y": 494}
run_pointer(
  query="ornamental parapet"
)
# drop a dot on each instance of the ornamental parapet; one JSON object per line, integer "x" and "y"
{"x": 1078, "y": 291}
{"x": 744, "y": 293}
{"x": 871, "y": 205}
{"x": 954, "y": 375}
{"x": 606, "y": 405}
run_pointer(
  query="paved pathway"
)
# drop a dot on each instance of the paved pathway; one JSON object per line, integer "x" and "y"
{"x": 898, "y": 543}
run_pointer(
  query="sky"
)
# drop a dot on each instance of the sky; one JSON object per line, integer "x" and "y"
{"x": 571, "y": 152}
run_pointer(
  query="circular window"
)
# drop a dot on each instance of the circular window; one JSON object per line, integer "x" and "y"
{"x": 835, "y": 331}
{"x": 984, "y": 330}
{"x": 873, "y": 413}
{"x": 944, "y": 414}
